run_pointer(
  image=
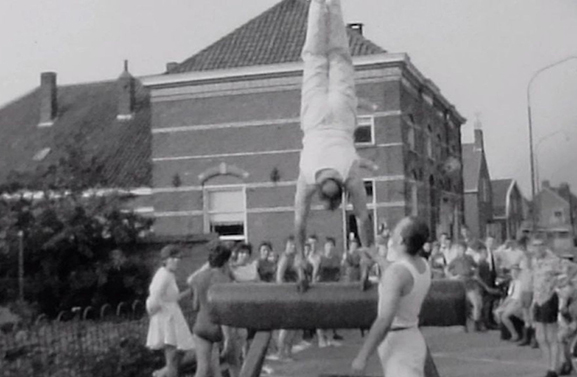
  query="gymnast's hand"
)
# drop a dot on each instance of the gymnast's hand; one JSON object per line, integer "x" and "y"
{"x": 368, "y": 164}
{"x": 359, "y": 365}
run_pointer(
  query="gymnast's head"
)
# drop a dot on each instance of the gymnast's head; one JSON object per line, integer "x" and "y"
{"x": 331, "y": 193}
{"x": 410, "y": 235}
{"x": 330, "y": 188}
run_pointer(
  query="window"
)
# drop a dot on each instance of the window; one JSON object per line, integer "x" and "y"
{"x": 558, "y": 217}
{"x": 349, "y": 219}
{"x": 226, "y": 212}
{"x": 429, "y": 142}
{"x": 369, "y": 189}
{"x": 365, "y": 131}
{"x": 411, "y": 138}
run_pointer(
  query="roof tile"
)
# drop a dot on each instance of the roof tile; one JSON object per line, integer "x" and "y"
{"x": 276, "y": 36}
{"x": 87, "y": 116}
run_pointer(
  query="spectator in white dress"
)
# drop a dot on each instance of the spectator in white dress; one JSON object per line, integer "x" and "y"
{"x": 167, "y": 329}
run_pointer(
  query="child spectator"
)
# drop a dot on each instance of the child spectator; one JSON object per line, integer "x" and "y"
{"x": 168, "y": 329}
{"x": 464, "y": 268}
{"x": 326, "y": 268}
{"x": 567, "y": 320}
{"x": 244, "y": 269}
{"x": 437, "y": 262}
{"x": 287, "y": 271}
{"x": 206, "y": 333}
{"x": 512, "y": 305}
{"x": 351, "y": 262}
{"x": 266, "y": 262}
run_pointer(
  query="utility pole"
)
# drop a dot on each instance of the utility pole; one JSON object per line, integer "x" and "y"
{"x": 532, "y": 156}
{"x": 21, "y": 265}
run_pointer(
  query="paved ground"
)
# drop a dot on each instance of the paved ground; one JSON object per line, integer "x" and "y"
{"x": 456, "y": 354}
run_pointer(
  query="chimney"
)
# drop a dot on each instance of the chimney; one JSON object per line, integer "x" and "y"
{"x": 479, "y": 144}
{"x": 170, "y": 66}
{"x": 125, "y": 94}
{"x": 565, "y": 190}
{"x": 357, "y": 26}
{"x": 546, "y": 184}
{"x": 48, "y": 99}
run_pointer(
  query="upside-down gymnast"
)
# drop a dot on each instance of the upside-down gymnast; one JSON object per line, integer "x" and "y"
{"x": 329, "y": 163}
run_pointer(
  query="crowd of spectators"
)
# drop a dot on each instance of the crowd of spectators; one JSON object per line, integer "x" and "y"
{"x": 523, "y": 287}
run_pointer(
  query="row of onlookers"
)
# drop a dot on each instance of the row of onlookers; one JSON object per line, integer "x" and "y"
{"x": 522, "y": 285}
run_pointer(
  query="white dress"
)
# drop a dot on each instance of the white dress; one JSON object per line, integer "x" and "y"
{"x": 403, "y": 352}
{"x": 167, "y": 326}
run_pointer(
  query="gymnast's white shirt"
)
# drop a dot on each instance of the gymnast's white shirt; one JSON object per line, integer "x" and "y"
{"x": 327, "y": 148}
{"x": 409, "y": 305}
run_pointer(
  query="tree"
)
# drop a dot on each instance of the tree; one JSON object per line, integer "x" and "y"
{"x": 69, "y": 229}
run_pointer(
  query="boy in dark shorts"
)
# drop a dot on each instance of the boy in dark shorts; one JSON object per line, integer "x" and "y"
{"x": 546, "y": 268}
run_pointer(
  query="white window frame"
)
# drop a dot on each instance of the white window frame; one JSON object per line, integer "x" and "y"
{"x": 411, "y": 138}
{"x": 366, "y": 121}
{"x": 206, "y": 217}
{"x": 558, "y": 219}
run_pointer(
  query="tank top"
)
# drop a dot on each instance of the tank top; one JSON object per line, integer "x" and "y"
{"x": 327, "y": 149}
{"x": 290, "y": 273}
{"x": 330, "y": 269}
{"x": 410, "y": 305}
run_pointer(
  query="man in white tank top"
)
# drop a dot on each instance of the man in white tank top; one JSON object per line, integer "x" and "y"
{"x": 329, "y": 163}
{"x": 402, "y": 290}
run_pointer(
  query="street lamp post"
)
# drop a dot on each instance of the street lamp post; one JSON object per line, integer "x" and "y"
{"x": 531, "y": 154}
{"x": 537, "y": 145}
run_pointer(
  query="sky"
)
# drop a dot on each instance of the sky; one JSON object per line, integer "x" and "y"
{"x": 480, "y": 53}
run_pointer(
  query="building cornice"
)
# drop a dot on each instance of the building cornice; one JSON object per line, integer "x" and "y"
{"x": 291, "y": 69}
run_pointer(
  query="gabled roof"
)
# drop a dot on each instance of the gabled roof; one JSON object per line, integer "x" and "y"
{"x": 552, "y": 193}
{"x": 500, "y": 189}
{"x": 566, "y": 194}
{"x": 472, "y": 162}
{"x": 87, "y": 117}
{"x": 276, "y": 36}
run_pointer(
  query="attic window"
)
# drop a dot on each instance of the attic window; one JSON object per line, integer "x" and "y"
{"x": 41, "y": 155}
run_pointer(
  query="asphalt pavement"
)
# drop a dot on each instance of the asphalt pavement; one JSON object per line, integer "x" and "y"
{"x": 456, "y": 354}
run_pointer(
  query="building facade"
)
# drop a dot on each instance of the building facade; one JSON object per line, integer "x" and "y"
{"x": 212, "y": 145}
{"x": 226, "y": 137}
{"x": 556, "y": 212}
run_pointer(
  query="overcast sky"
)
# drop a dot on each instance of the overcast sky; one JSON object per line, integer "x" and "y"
{"x": 481, "y": 53}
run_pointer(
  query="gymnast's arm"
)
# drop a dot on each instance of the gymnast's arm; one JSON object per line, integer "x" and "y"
{"x": 303, "y": 198}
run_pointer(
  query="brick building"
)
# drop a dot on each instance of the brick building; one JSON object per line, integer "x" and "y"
{"x": 556, "y": 214}
{"x": 478, "y": 194}
{"x": 226, "y": 136}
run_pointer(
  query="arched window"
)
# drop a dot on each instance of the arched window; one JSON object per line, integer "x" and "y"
{"x": 225, "y": 206}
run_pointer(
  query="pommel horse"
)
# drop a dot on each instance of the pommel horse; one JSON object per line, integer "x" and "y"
{"x": 267, "y": 307}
